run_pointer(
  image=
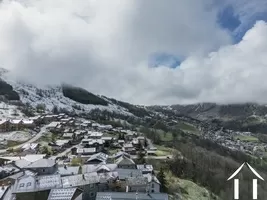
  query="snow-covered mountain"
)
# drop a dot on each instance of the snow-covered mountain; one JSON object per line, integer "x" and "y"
{"x": 54, "y": 96}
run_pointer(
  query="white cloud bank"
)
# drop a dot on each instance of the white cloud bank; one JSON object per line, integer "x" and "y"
{"x": 103, "y": 46}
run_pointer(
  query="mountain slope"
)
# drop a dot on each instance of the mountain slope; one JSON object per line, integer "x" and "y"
{"x": 65, "y": 97}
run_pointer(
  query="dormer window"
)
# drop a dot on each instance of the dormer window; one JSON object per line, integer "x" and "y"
{"x": 21, "y": 185}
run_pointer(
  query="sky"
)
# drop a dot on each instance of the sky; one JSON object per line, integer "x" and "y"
{"x": 143, "y": 52}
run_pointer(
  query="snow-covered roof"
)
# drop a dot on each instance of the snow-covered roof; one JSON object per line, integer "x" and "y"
{"x": 68, "y": 135}
{"x": 86, "y": 150}
{"x": 61, "y": 142}
{"x": 93, "y": 141}
{"x": 53, "y": 124}
{"x": 30, "y": 146}
{"x": 99, "y": 156}
{"x": 106, "y": 138}
{"x": 42, "y": 163}
{"x": 15, "y": 121}
{"x": 28, "y": 157}
{"x": 95, "y": 134}
{"x": 27, "y": 121}
{"x": 3, "y": 121}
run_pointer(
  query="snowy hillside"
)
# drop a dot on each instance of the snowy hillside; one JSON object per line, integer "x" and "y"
{"x": 53, "y": 96}
{"x": 9, "y": 111}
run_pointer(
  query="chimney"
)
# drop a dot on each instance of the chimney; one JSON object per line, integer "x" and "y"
{"x": 83, "y": 176}
{"x": 144, "y": 165}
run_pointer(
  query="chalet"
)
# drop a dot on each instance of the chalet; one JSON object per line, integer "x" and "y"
{"x": 136, "y": 184}
{"x": 123, "y": 174}
{"x": 107, "y": 141}
{"x": 52, "y": 126}
{"x": 85, "y": 142}
{"x": 141, "y": 140}
{"x": 100, "y": 168}
{"x": 153, "y": 183}
{"x": 130, "y": 135}
{"x": 125, "y": 163}
{"x": 85, "y": 124}
{"x": 95, "y": 135}
{"x": 28, "y": 124}
{"x": 16, "y": 125}
{"x": 101, "y": 127}
{"x": 97, "y": 158}
{"x": 80, "y": 133}
{"x": 121, "y": 142}
{"x": 87, "y": 181}
{"x": 68, "y": 136}
{"x": 120, "y": 154}
{"x": 4, "y": 125}
{"x": 49, "y": 118}
{"x": 60, "y": 144}
{"x": 146, "y": 169}
{"x": 86, "y": 151}
{"x": 129, "y": 148}
{"x": 32, "y": 187}
{"x": 97, "y": 143}
{"x": 43, "y": 166}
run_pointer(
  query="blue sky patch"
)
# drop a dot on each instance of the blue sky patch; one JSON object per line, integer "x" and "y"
{"x": 164, "y": 59}
{"x": 227, "y": 18}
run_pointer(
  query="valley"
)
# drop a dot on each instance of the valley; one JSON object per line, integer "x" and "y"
{"x": 175, "y": 135}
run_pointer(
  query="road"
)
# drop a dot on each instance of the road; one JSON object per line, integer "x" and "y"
{"x": 155, "y": 157}
{"x": 36, "y": 137}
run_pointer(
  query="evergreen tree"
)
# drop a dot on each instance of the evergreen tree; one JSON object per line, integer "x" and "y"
{"x": 140, "y": 158}
{"x": 162, "y": 179}
{"x": 145, "y": 143}
{"x": 55, "y": 110}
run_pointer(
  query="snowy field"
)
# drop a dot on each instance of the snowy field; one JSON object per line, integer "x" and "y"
{"x": 19, "y": 136}
{"x": 9, "y": 111}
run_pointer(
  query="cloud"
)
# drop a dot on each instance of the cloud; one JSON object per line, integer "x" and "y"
{"x": 242, "y": 14}
{"x": 104, "y": 47}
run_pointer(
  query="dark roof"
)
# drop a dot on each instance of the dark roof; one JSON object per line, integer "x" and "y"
{"x": 138, "y": 180}
{"x": 31, "y": 183}
{"x": 124, "y": 161}
{"x": 42, "y": 163}
{"x": 66, "y": 170}
{"x": 99, "y": 156}
{"x": 124, "y": 173}
{"x": 130, "y": 196}
{"x": 79, "y": 180}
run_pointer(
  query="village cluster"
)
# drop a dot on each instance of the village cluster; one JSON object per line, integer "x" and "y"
{"x": 230, "y": 139}
{"x": 107, "y": 168}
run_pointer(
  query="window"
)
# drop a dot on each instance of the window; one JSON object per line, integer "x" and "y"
{"x": 92, "y": 194}
{"x": 43, "y": 170}
{"x": 21, "y": 185}
{"x": 152, "y": 191}
{"x": 92, "y": 185}
{"x": 29, "y": 184}
{"x": 152, "y": 185}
